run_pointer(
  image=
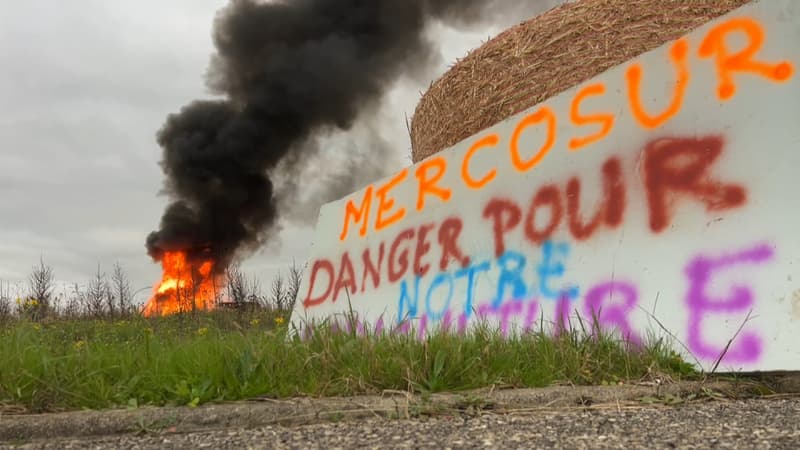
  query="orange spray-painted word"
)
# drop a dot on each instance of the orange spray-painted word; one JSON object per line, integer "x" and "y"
{"x": 543, "y": 124}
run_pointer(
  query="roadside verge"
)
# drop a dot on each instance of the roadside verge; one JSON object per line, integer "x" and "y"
{"x": 389, "y": 405}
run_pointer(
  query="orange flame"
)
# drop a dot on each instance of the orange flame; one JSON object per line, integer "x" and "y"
{"x": 185, "y": 286}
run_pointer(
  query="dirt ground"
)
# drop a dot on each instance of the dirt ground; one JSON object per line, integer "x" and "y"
{"x": 240, "y": 421}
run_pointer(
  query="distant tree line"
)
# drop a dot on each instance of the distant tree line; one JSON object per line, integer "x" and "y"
{"x": 112, "y": 296}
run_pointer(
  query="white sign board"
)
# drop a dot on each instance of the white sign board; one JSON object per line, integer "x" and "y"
{"x": 663, "y": 188}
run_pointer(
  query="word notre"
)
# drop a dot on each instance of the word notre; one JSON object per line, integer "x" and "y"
{"x": 513, "y": 268}
{"x": 727, "y": 64}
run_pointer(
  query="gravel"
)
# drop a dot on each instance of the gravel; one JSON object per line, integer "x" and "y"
{"x": 743, "y": 424}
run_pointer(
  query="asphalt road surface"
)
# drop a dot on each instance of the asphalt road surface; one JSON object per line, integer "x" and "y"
{"x": 758, "y": 424}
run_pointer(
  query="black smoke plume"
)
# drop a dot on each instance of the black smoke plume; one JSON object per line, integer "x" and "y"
{"x": 287, "y": 72}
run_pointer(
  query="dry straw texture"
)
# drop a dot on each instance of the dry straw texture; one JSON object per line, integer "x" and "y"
{"x": 544, "y": 56}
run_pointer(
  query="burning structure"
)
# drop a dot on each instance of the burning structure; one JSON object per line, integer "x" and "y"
{"x": 186, "y": 285}
{"x": 287, "y": 73}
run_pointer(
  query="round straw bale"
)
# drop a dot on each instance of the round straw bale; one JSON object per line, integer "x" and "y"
{"x": 544, "y": 56}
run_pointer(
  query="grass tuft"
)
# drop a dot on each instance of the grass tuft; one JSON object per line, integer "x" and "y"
{"x": 230, "y": 355}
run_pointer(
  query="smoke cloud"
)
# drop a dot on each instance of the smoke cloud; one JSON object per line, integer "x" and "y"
{"x": 289, "y": 73}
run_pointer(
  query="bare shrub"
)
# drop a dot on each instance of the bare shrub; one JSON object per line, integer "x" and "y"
{"x": 41, "y": 283}
{"x": 278, "y": 294}
{"x": 73, "y": 303}
{"x": 98, "y": 299}
{"x": 6, "y": 302}
{"x": 235, "y": 288}
{"x": 241, "y": 289}
{"x": 183, "y": 293}
{"x": 283, "y": 294}
{"x": 191, "y": 295}
{"x": 121, "y": 289}
{"x": 295, "y": 280}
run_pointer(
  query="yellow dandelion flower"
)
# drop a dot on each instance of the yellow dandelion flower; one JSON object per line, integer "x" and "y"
{"x": 255, "y": 322}
{"x": 202, "y": 331}
{"x": 279, "y": 320}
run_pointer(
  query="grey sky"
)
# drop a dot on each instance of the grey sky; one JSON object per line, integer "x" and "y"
{"x": 85, "y": 86}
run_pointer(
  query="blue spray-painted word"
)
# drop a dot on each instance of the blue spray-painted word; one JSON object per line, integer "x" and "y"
{"x": 436, "y": 299}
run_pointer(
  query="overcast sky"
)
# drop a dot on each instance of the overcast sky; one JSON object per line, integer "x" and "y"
{"x": 85, "y": 86}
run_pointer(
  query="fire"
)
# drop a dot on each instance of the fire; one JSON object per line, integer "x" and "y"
{"x": 185, "y": 286}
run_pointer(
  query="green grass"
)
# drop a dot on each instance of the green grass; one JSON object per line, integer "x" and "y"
{"x": 223, "y": 355}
